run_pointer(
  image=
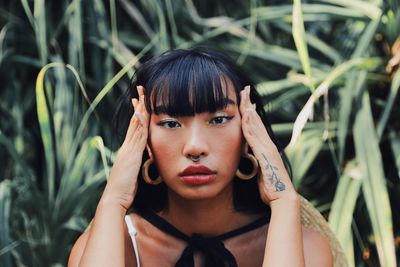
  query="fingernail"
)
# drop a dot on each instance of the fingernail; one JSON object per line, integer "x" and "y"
{"x": 139, "y": 89}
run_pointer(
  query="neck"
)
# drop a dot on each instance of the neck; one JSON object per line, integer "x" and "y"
{"x": 208, "y": 217}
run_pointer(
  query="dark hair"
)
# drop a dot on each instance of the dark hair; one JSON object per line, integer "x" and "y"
{"x": 187, "y": 82}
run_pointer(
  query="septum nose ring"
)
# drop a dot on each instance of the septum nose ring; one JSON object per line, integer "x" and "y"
{"x": 194, "y": 158}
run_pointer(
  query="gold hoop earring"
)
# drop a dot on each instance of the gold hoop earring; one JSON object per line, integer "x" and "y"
{"x": 146, "y": 176}
{"x": 254, "y": 162}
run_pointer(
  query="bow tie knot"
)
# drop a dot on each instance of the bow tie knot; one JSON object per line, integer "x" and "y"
{"x": 213, "y": 250}
{"x": 199, "y": 242}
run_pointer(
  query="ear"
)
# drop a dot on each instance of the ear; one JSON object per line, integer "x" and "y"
{"x": 149, "y": 151}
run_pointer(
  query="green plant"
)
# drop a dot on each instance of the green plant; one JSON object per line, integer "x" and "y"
{"x": 329, "y": 71}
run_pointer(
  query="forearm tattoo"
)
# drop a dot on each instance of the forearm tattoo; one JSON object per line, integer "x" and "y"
{"x": 273, "y": 177}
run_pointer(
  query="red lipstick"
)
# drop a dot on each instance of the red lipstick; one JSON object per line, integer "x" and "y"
{"x": 197, "y": 174}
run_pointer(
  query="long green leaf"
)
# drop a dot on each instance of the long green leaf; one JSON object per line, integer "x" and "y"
{"x": 98, "y": 98}
{"x": 39, "y": 13}
{"x": 344, "y": 202}
{"x": 5, "y": 220}
{"x": 313, "y": 41}
{"x": 44, "y": 115}
{"x": 114, "y": 27}
{"x": 366, "y": 38}
{"x": 395, "y": 146}
{"x": 28, "y": 12}
{"x": 299, "y": 37}
{"x": 75, "y": 46}
{"x": 303, "y": 155}
{"x": 323, "y": 88}
{"x": 370, "y": 9}
{"x": 355, "y": 80}
{"x": 374, "y": 185}
{"x": 394, "y": 88}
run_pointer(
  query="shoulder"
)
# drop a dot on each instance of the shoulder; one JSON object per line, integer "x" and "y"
{"x": 80, "y": 244}
{"x": 317, "y": 251}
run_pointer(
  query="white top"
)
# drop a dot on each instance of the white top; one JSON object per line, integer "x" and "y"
{"x": 132, "y": 232}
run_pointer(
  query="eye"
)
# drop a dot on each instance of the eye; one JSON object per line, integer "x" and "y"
{"x": 169, "y": 124}
{"x": 220, "y": 119}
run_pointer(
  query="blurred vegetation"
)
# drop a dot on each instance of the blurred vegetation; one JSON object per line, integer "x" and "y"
{"x": 328, "y": 69}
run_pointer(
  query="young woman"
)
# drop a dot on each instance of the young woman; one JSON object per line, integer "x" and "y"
{"x": 198, "y": 180}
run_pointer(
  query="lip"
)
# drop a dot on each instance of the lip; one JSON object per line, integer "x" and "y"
{"x": 196, "y": 170}
{"x": 197, "y": 174}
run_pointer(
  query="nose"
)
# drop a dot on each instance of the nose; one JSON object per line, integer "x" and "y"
{"x": 196, "y": 145}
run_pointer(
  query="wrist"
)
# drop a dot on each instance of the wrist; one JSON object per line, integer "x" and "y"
{"x": 107, "y": 200}
{"x": 289, "y": 200}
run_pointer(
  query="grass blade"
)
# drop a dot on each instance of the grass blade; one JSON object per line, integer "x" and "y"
{"x": 98, "y": 98}
{"x": 344, "y": 202}
{"x": 374, "y": 185}
{"x": 366, "y": 38}
{"x": 28, "y": 12}
{"x": 39, "y": 13}
{"x": 299, "y": 37}
{"x": 44, "y": 115}
{"x": 355, "y": 80}
{"x": 303, "y": 156}
{"x": 395, "y": 146}
{"x": 5, "y": 239}
{"x": 114, "y": 28}
{"x": 323, "y": 88}
{"x": 370, "y": 9}
{"x": 394, "y": 88}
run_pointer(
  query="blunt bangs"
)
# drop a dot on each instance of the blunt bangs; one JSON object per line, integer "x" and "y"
{"x": 186, "y": 84}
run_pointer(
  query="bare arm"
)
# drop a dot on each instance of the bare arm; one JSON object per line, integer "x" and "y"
{"x": 80, "y": 245}
{"x": 105, "y": 246}
{"x": 284, "y": 245}
{"x": 288, "y": 242}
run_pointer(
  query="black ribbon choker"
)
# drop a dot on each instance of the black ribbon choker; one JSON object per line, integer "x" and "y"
{"x": 213, "y": 249}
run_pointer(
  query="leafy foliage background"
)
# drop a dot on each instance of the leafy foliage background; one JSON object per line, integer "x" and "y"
{"x": 328, "y": 69}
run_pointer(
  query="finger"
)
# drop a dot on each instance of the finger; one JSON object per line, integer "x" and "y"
{"x": 132, "y": 127}
{"x": 245, "y": 104}
{"x": 140, "y": 90}
{"x": 136, "y": 136}
{"x": 248, "y": 103}
{"x": 246, "y": 96}
{"x": 143, "y": 109}
{"x": 134, "y": 103}
{"x": 140, "y": 117}
{"x": 242, "y": 107}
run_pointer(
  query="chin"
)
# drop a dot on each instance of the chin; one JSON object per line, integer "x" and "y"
{"x": 202, "y": 192}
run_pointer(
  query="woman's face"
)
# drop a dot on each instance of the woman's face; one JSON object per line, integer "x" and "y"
{"x": 215, "y": 139}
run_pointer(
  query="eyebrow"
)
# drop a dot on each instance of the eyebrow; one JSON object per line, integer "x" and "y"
{"x": 226, "y": 101}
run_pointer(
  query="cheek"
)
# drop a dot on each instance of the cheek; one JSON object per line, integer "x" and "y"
{"x": 227, "y": 146}
{"x": 162, "y": 144}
